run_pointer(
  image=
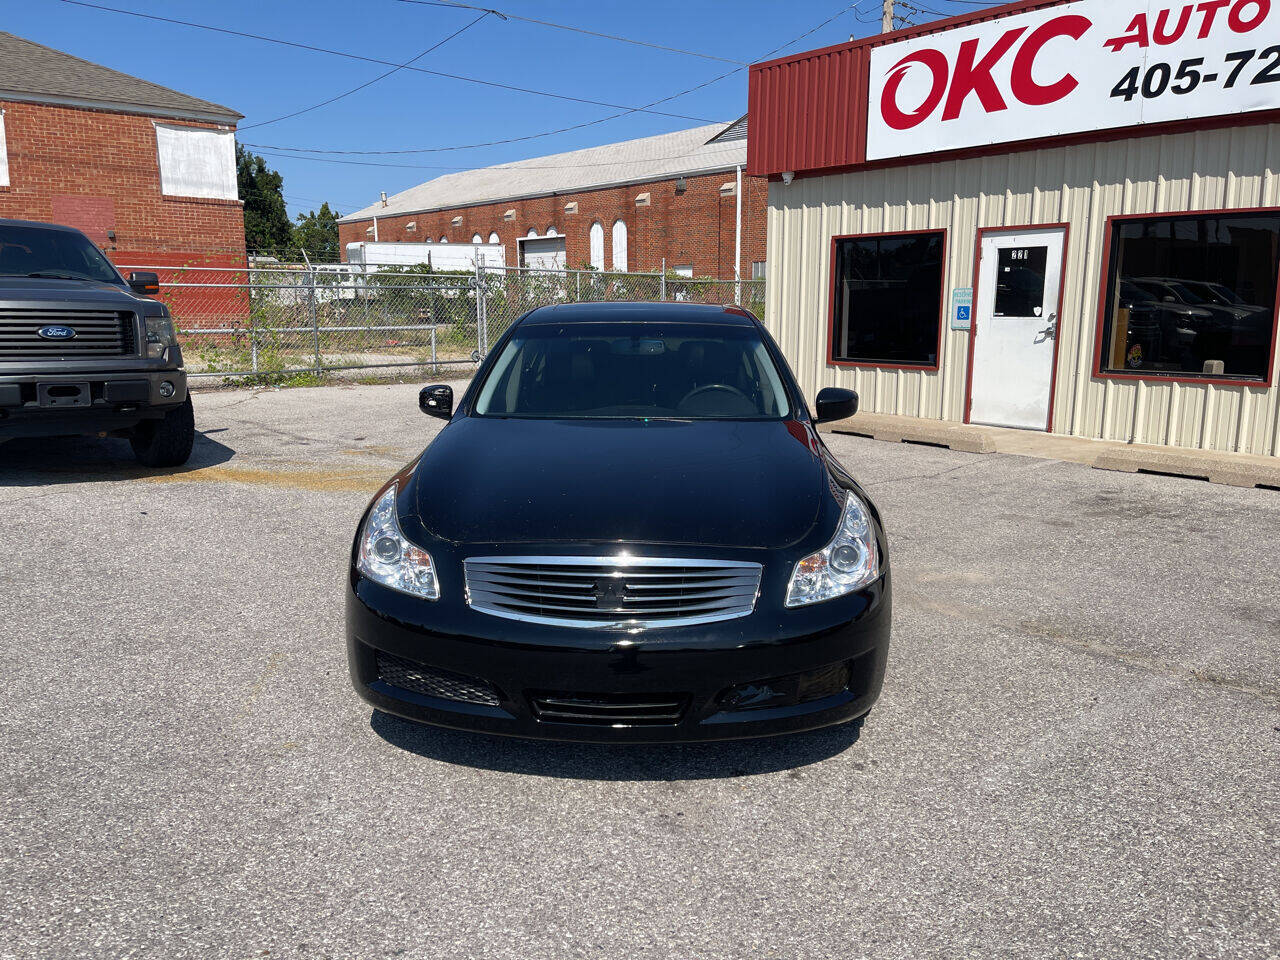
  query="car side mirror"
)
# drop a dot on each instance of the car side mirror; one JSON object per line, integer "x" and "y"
{"x": 144, "y": 282}
{"x": 436, "y": 400}
{"x": 835, "y": 403}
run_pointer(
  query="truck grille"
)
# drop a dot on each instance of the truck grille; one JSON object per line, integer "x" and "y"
{"x": 99, "y": 333}
{"x": 612, "y": 591}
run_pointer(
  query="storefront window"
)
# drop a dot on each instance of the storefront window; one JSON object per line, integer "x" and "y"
{"x": 888, "y": 299}
{"x": 1192, "y": 295}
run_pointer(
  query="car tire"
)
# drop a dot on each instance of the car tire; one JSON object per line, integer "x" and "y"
{"x": 166, "y": 442}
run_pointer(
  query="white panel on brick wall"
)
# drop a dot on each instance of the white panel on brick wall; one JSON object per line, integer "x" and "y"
{"x": 620, "y": 246}
{"x": 195, "y": 162}
{"x": 597, "y": 246}
{"x": 4, "y": 155}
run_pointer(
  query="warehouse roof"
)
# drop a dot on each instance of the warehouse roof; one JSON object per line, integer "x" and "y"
{"x": 30, "y": 71}
{"x": 683, "y": 153}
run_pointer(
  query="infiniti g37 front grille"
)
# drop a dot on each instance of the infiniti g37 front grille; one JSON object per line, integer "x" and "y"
{"x": 612, "y": 591}
{"x": 94, "y": 333}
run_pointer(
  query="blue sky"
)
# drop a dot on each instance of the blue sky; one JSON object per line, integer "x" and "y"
{"x": 413, "y": 110}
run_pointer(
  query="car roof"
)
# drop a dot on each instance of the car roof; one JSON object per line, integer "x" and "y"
{"x": 5, "y": 222}
{"x": 640, "y": 312}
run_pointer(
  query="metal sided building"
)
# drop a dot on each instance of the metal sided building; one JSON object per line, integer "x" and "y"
{"x": 1059, "y": 216}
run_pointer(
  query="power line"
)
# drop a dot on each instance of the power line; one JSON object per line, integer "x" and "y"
{"x": 368, "y": 83}
{"x": 559, "y": 130}
{"x": 506, "y": 15}
{"x": 514, "y": 165}
{"x": 385, "y": 63}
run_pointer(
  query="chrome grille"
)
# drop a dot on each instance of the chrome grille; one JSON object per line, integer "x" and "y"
{"x": 99, "y": 333}
{"x": 612, "y": 591}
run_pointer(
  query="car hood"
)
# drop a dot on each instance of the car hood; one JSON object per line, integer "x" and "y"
{"x": 713, "y": 483}
{"x": 38, "y": 290}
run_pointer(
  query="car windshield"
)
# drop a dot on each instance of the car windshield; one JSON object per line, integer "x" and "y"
{"x": 678, "y": 371}
{"x": 57, "y": 254}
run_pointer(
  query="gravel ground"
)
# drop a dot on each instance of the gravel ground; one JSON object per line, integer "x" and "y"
{"x": 1075, "y": 753}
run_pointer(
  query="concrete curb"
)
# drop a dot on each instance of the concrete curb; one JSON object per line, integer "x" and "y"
{"x": 1233, "y": 469}
{"x": 937, "y": 433}
{"x": 1215, "y": 469}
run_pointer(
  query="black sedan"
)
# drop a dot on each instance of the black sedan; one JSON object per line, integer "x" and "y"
{"x": 629, "y": 530}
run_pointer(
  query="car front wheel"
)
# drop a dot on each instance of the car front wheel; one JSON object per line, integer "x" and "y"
{"x": 166, "y": 442}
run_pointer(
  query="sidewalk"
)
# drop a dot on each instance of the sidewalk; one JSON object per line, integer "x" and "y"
{"x": 1235, "y": 469}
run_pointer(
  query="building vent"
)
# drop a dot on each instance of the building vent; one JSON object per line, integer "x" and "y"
{"x": 571, "y": 206}
{"x": 509, "y": 215}
{"x": 726, "y": 189}
{"x": 411, "y": 226}
{"x": 642, "y": 200}
{"x": 456, "y": 221}
{"x": 368, "y": 231}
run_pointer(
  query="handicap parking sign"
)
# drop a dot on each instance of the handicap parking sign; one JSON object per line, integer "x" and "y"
{"x": 961, "y": 303}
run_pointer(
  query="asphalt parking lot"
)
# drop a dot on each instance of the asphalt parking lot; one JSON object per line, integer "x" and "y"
{"x": 1076, "y": 754}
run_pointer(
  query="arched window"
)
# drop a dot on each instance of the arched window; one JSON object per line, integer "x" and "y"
{"x": 620, "y": 246}
{"x": 444, "y": 239}
{"x": 494, "y": 238}
{"x": 597, "y": 246}
{"x": 532, "y": 234}
{"x": 477, "y": 239}
{"x": 551, "y": 232}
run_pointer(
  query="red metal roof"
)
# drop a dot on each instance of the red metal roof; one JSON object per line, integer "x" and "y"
{"x": 808, "y": 111}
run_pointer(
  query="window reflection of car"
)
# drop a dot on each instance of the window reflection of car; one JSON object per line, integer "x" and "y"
{"x": 1165, "y": 329}
{"x": 1235, "y": 323}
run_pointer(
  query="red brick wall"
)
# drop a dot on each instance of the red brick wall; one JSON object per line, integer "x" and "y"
{"x": 98, "y": 171}
{"x": 696, "y": 227}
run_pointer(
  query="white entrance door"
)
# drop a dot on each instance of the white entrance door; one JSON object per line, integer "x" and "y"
{"x": 1015, "y": 325}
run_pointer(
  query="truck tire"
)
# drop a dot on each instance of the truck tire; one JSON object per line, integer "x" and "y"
{"x": 166, "y": 442}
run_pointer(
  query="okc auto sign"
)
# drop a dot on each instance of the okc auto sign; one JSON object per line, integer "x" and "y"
{"x": 1091, "y": 65}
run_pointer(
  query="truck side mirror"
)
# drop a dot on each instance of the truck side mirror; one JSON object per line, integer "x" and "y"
{"x": 835, "y": 403}
{"x": 144, "y": 282}
{"x": 436, "y": 400}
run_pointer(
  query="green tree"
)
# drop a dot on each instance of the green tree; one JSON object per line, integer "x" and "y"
{"x": 267, "y": 228}
{"x": 317, "y": 233}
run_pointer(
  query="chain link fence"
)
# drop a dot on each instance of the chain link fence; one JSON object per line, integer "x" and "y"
{"x": 276, "y": 321}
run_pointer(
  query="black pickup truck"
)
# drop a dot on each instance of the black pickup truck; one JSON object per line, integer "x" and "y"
{"x": 84, "y": 351}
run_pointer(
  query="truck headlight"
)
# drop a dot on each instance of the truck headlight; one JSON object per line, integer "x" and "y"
{"x": 849, "y": 562}
{"x": 160, "y": 336}
{"x": 386, "y": 557}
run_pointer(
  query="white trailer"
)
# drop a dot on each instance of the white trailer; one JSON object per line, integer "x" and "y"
{"x": 372, "y": 254}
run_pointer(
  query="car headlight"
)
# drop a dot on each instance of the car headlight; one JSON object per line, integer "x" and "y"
{"x": 849, "y": 562}
{"x": 386, "y": 557}
{"x": 160, "y": 336}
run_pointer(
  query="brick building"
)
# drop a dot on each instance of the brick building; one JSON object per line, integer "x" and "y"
{"x": 622, "y": 206}
{"x": 147, "y": 172}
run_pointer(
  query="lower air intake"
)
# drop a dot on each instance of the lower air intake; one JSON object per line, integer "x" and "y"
{"x": 433, "y": 682}
{"x": 609, "y": 710}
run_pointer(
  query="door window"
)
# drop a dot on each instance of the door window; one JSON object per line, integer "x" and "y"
{"x": 1020, "y": 281}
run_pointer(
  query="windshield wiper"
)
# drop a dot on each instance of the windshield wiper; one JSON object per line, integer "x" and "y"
{"x": 51, "y": 275}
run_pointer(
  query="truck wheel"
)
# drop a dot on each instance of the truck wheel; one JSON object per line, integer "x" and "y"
{"x": 166, "y": 442}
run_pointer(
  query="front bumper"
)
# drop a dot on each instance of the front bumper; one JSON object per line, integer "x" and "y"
{"x": 89, "y": 402}
{"x": 701, "y": 669}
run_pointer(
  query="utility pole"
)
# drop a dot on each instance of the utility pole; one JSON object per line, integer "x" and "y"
{"x": 886, "y": 17}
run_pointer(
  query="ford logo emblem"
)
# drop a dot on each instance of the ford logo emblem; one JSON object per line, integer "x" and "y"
{"x": 56, "y": 333}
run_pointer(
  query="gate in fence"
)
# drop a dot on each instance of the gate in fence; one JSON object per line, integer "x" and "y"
{"x": 298, "y": 318}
